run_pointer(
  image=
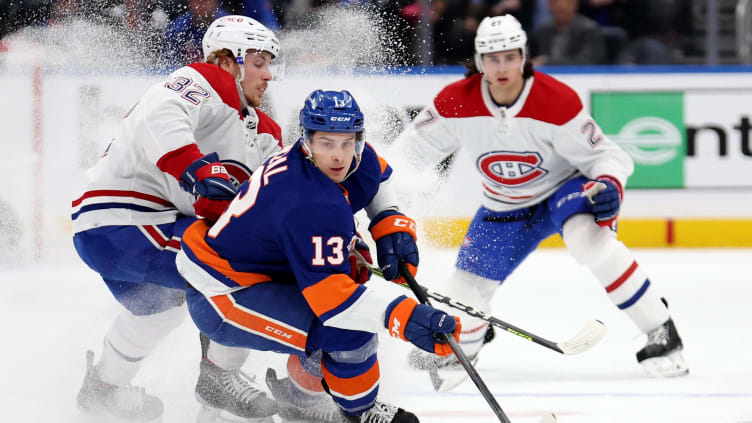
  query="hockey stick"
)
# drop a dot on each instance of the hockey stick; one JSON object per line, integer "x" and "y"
{"x": 585, "y": 339}
{"x": 420, "y": 293}
{"x": 423, "y": 298}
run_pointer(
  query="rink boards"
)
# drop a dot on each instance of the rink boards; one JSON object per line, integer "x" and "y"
{"x": 693, "y": 148}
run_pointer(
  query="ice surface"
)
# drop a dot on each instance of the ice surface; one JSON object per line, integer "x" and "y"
{"x": 53, "y": 312}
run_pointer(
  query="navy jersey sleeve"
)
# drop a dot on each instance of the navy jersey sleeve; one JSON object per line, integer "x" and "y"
{"x": 365, "y": 183}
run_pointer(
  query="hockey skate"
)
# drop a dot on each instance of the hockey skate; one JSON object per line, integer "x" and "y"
{"x": 662, "y": 355}
{"x": 384, "y": 413}
{"x": 124, "y": 403}
{"x": 295, "y": 405}
{"x": 230, "y": 396}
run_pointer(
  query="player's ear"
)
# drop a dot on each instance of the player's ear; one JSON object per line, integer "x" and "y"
{"x": 227, "y": 63}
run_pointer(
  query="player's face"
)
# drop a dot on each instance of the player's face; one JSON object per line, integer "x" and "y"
{"x": 257, "y": 76}
{"x": 503, "y": 69}
{"x": 333, "y": 153}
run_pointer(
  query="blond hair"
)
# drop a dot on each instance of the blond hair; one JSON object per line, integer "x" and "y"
{"x": 216, "y": 54}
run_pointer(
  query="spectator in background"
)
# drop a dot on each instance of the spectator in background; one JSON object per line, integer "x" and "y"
{"x": 459, "y": 44}
{"x": 659, "y": 31}
{"x": 183, "y": 36}
{"x": 568, "y": 39}
{"x": 260, "y": 10}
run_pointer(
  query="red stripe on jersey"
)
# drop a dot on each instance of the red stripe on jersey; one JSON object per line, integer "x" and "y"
{"x": 157, "y": 236}
{"x": 259, "y": 325}
{"x": 354, "y": 385}
{"x": 176, "y": 161}
{"x": 523, "y": 197}
{"x": 267, "y": 125}
{"x": 193, "y": 237}
{"x": 617, "y": 283}
{"x": 546, "y": 89}
{"x": 222, "y": 82}
{"x": 120, "y": 193}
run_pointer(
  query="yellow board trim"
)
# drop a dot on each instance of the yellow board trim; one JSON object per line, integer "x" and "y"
{"x": 640, "y": 233}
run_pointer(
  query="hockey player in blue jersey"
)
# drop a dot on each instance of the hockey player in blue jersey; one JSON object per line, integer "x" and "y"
{"x": 273, "y": 273}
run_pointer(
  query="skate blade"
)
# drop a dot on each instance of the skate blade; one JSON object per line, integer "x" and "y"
{"x": 214, "y": 415}
{"x": 670, "y": 365}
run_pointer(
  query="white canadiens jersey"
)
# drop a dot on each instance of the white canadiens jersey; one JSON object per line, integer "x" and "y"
{"x": 523, "y": 152}
{"x": 197, "y": 104}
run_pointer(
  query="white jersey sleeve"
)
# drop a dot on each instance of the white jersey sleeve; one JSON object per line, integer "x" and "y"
{"x": 428, "y": 140}
{"x": 166, "y": 117}
{"x": 582, "y": 142}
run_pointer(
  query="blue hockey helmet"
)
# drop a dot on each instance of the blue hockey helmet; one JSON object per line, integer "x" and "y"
{"x": 332, "y": 111}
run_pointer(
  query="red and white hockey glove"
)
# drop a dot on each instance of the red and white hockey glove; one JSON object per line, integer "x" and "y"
{"x": 395, "y": 238}
{"x": 360, "y": 261}
{"x": 605, "y": 195}
{"x": 421, "y": 325}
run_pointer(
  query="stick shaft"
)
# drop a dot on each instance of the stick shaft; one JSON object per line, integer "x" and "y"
{"x": 422, "y": 296}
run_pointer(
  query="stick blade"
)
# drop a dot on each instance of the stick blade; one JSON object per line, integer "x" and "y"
{"x": 590, "y": 335}
{"x": 548, "y": 418}
{"x": 446, "y": 380}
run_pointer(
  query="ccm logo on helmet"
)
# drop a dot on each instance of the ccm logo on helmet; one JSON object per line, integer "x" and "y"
{"x": 340, "y": 118}
{"x": 509, "y": 168}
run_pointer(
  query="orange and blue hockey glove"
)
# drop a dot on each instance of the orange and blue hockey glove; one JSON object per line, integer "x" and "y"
{"x": 395, "y": 236}
{"x": 421, "y": 325}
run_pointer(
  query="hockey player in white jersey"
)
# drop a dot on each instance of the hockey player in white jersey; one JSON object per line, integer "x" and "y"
{"x": 546, "y": 168}
{"x": 177, "y": 155}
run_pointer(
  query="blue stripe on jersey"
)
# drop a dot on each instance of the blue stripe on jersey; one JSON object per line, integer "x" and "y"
{"x": 636, "y": 296}
{"x": 102, "y": 206}
{"x": 347, "y": 303}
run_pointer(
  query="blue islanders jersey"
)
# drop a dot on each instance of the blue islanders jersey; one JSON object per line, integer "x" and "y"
{"x": 290, "y": 223}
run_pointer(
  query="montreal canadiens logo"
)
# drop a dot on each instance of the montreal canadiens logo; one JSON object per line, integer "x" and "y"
{"x": 509, "y": 168}
{"x": 239, "y": 173}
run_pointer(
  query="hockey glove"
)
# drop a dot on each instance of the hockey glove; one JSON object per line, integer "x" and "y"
{"x": 421, "y": 325}
{"x": 208, "y": 179}
{"x": 395, "y": 238}
{"x": 360, "y": 261}
{"x": 605, "y": 196}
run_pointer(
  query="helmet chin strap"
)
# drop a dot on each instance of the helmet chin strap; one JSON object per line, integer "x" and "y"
{"x": 238, "y": 80}
{"x": 243, "y": 101}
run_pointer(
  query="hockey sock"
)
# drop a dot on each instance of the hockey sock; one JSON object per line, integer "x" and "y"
{"x": 625, "y": 282}
{"x": 302, "y": 380}
{"x": 477, "y": 292}
{"x": 130, "y": 339}
{"x": 227, "y": 358}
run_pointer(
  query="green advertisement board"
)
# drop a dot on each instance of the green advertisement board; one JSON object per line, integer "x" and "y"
{"x": 649, "y": 126}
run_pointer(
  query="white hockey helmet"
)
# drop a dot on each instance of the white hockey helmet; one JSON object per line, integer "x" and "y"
{"x": 239, "y": 34}
{"x": 499, "y": 33}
